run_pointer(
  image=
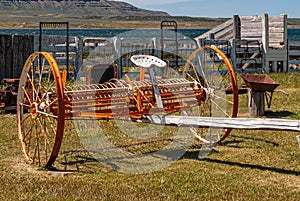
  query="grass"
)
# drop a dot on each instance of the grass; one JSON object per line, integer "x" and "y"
{"x": 248, "y": 165}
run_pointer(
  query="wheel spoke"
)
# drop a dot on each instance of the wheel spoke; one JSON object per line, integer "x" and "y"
{"x": 51, "y": 124}
{"x": 44, "y": 130}
{"x": 28, "y": 135}
{"x": 36, "y": 148}
{"x": 27, "y": 96}
{"x": 40, "y": 71}
{"x": 226, "y": 100}
{"x": 47, "y": 114}
{"x": 34, "y": 98}
{"x": 220, "y": 108}
{"x": 48, "y": 89}
{"x": 51, "y": 103}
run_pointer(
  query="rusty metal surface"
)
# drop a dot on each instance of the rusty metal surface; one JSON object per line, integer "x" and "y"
{"x": 118, "y": 97}
{"x": 260, "y": 82}
{"x": 8, "y": 94}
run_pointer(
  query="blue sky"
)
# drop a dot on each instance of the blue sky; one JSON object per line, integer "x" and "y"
{"x": 221, "y": 8}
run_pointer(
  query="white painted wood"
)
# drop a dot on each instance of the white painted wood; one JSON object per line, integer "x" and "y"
{"x": 228, "y": 123}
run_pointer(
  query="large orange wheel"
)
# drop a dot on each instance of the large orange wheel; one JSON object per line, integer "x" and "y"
{"x": 40, "y": 109}
{"x": 213, "y": 71}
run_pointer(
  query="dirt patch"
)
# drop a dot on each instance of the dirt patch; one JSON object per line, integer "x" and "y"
{"x": 18, "y": 165}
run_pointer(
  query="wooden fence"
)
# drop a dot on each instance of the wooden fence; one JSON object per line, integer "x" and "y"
{"x": 294, "y": 55}
{"x": 270, "y": 32}
{"x": 15, "y": 49}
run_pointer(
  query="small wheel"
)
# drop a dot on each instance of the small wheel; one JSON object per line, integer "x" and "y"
{"x": 213, "y": 72}
{"x": 40, "y": 109}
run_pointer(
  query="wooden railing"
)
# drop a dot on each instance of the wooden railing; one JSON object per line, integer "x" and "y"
{"x": 294, "y": 55}
{"x": 224, "y": 31}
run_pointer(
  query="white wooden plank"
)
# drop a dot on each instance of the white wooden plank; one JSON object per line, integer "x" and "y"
{"x": 294, "y": 52}
{"x": 296, "y": 62}
{"x": 224, "y": 35}
{"x": 276, "y": 29}
{"x": 279, "y": 18}
{"x": 57, "y": 49}
{"x": 251, "y": 18}
{"x": 294, "y": 43}
{"x": 228, "y": 123}
{"x": 276, "y": 24}
{"x": 251, "y": 26}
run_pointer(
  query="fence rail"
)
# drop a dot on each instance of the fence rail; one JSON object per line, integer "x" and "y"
{"x": 294, "y": 54}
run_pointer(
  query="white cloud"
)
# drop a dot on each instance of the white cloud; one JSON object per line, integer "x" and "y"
{"x": 152, "y": 2}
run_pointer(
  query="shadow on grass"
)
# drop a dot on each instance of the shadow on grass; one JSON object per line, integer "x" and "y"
{"x": 194, "y": 155}
{"x": 79, "y": 160}
{"x": 72, "y": 159}
{"x": 76, "y": 161}
{"x": 278, "y": 114}
{"x": 229, "y": 142}
{"x": 251, "y": 166}
{"x": 77, "y": 157}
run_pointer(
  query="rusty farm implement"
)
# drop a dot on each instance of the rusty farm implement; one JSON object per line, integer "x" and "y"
{"x": 203, "y": 96}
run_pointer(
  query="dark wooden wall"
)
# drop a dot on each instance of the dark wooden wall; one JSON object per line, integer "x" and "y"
{"x": 14, "y": 50}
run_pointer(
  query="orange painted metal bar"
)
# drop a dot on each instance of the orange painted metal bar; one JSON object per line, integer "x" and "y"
{"x": 106, "y": 102}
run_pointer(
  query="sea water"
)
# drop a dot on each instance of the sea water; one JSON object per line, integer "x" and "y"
{"x": 106, "y": 33}
{"x": 293, "y": 34}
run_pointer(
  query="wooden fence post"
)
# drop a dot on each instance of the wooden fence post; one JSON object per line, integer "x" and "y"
{"x": 285, "y": 25}
{"x": 79, "y": 56}
{"x": 265, "y": 41}
{"x": 256, "y": 103}
{"x": 236, "y": 27}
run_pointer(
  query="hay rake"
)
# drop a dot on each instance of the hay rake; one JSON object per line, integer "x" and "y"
{"x": 45, "y": 101}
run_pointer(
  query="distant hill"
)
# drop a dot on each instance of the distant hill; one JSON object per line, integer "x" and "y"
{"x": 96, "y": 14}
{"x": 91, "y": 14}
{"x": 82, "y": 7}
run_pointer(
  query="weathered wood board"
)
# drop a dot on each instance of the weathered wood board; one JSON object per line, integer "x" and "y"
{"x": 228, "y": 123}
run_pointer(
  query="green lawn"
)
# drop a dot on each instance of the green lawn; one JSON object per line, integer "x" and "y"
{"x": 248, "y": 165}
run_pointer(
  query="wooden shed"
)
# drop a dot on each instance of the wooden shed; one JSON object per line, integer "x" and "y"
{"x": 260, "y": 40}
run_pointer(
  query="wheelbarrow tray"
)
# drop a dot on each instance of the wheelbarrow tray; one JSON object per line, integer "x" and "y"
{"x": 260, "y": 82}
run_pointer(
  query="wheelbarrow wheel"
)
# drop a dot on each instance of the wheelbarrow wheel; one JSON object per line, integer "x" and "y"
{"x": 40, "y": 109}
{"x": 212, "y": 70}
